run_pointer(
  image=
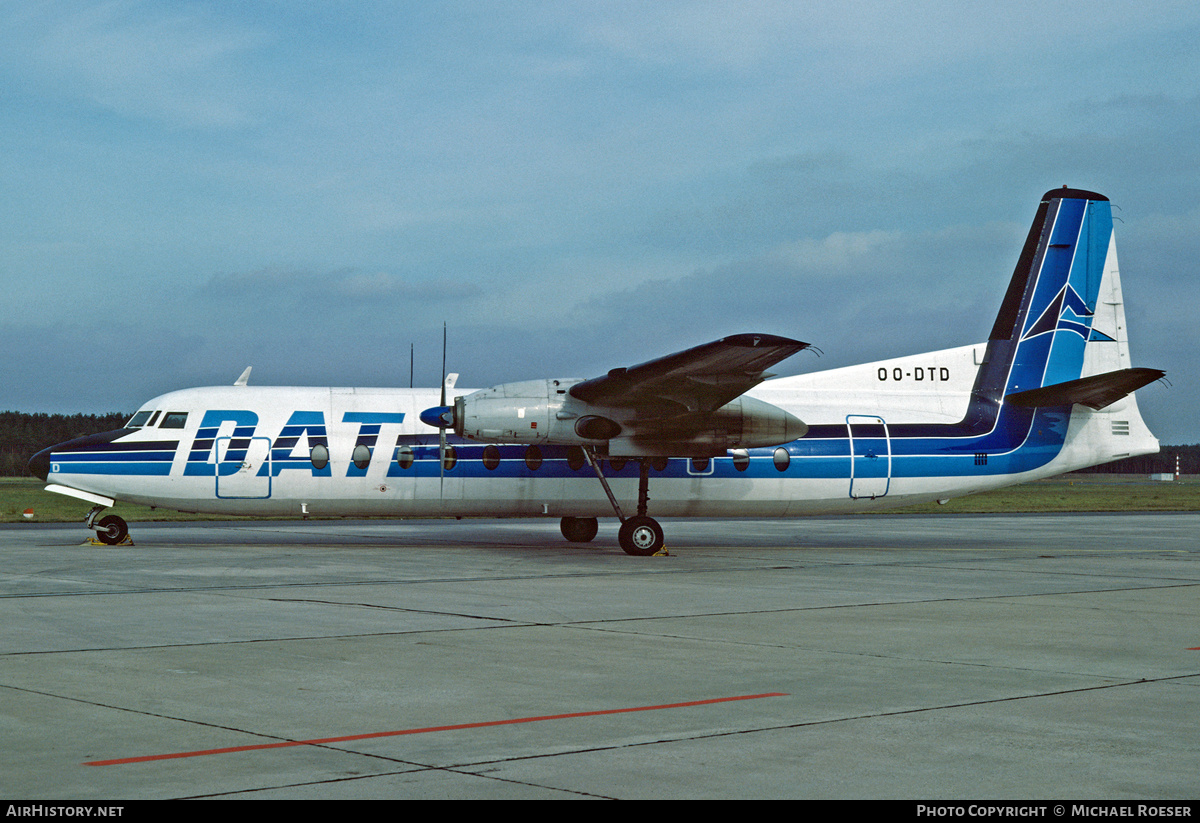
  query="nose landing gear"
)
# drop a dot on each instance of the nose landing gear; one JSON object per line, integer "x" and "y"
{"x": 110, "y": 530}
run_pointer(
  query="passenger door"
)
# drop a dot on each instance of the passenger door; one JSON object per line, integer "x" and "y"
{"x": 870, "y": 456}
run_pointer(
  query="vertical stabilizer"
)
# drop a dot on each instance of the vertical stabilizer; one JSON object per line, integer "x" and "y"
{"x": 1045, "y": 321}
{"x": 1059, "y": 348}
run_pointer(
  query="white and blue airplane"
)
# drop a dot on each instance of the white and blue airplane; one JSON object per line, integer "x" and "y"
{"x": 1050, "y": 391}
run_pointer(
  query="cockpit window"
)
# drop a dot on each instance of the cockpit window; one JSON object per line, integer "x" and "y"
{"x": 173, "y": 420}
{"x": 138, "y": 420}
{"x": 150, "y": 422}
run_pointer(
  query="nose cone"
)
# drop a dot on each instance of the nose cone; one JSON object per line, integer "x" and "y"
{"x": 39, "y": 464}
{"x": 440, "y": 417}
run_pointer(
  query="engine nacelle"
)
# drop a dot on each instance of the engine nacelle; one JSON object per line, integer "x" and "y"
{"x": 744, "y": 423}
{"x": 510, "y": 412}
{"x": 542, "y": 412}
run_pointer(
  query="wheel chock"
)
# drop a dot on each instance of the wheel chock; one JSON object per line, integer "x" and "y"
{"x": 91, "y": 541}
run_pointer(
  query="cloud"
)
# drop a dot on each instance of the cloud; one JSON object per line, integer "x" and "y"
{"x": 857, "y": 295}
{"x": 348, "y": 287}
{"x": 178, "y": 65}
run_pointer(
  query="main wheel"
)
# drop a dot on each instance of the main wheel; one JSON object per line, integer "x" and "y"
{"x": 641, "y": 536}
{"x": 111, "y": 530}
{"x": 579, "y": 529}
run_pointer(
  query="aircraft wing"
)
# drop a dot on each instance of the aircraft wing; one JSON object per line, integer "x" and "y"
{"x": 700, "y": 379}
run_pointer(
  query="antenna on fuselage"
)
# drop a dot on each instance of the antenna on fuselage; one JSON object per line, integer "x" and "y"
{"x": 245, "y": 378}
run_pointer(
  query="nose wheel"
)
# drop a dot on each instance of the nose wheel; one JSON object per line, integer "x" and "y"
{"x": 110, "y": 530}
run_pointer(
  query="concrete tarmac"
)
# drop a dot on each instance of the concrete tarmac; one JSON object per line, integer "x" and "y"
{"x": 953, "y": 657}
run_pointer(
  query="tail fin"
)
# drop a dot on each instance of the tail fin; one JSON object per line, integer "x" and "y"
{"x": 1064, "y": 296}
{"x": 1059, "y": 343}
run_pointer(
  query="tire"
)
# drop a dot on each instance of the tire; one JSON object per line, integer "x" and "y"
{"x": 111, "y": 530}
{"x": 641, "y": 536}
{"x": 579, "y": 529}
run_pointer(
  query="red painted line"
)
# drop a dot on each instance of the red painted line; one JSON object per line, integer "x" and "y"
{"x": 426, "y": 730}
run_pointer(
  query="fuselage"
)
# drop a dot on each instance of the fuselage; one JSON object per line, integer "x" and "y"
{"x": 880, "y": 435}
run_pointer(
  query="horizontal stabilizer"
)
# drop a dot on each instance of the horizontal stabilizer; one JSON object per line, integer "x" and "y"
{"x": 1095, "y": 392}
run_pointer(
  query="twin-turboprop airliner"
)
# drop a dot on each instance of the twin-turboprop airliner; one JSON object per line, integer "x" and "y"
{"x": 699, "y": 433}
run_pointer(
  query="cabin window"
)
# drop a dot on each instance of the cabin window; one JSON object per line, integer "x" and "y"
{"x": 449, "y": 458}
{"x": 404, "y": 457}
{"x": 138, "y": 420}
{"x": 173, "y": 420}
{"x": 319, "y": 456}
{"x": 361, "y": 457}
{"x": 575, "y": 458}
{"x": 782, "y": 459}
{"x": 533, "y": 458}
{"x": 491, "y": 458}
{"x": 741, "y": 459}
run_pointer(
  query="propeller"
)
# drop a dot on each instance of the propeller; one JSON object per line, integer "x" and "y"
{"x": 441, "y": 416}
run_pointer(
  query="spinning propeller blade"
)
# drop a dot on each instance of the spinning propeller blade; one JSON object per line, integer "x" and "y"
{"x": 441, "y": 416}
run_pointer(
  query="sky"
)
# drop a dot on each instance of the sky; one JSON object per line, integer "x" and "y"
{"x": 308, "y": 188}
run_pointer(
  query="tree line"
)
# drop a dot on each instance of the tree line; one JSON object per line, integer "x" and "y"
{"x": 24, "y": 435}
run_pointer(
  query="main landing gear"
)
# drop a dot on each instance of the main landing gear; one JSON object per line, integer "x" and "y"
{"x": 579, "y": 529}
{"x": 110, "y": 529}
{"x": 640, "y": 535}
